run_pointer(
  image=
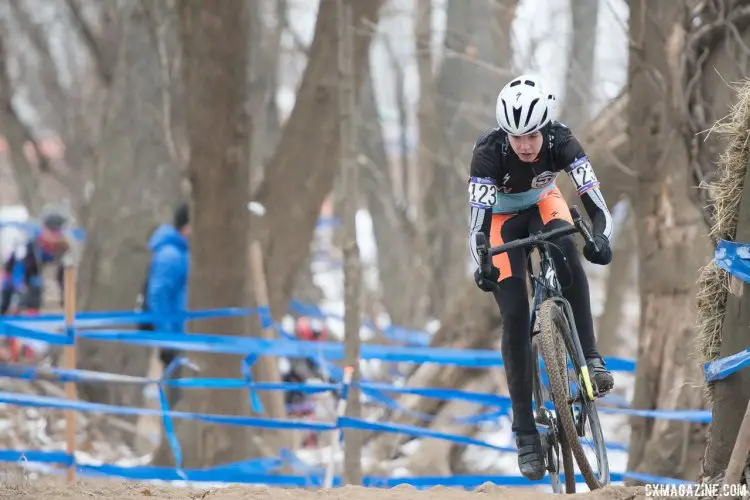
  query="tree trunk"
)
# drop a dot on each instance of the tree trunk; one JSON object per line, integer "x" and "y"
{"x": 352, "y": 271}
{"x": 391, "y": 231}
{"x": 16, "y": 134}
{"x": 467, "y": 87}
{"x": 265, "y": 46}
{"x": 671, "y": 244}
{"x": 136, "y": 185}
{"x": 730, "y": 395}
{"x": 620, "y": 281}
{"x": 426, "y": 161}
{"x": 215, "y": 44}
{"x": 468, "y": 319}
{"x": 580, "y": 73}
{"x": 400, "y": 258}
{"x": 305, "y": 163}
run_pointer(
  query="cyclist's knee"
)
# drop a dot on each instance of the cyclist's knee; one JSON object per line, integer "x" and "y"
{"x": 568, "y": 264}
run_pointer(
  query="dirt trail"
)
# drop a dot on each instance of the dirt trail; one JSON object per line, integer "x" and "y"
{"x": 56, "y": 489}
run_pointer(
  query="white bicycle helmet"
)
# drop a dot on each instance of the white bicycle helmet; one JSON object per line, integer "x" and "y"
{"x": 524, "y": 106}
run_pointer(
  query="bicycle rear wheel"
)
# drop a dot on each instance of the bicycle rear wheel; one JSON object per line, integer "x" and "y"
{"x": 556, "y": 351}
{"x": 559, "y": 442}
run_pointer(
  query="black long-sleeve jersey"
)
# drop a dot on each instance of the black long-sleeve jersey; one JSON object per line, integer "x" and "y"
{"x": 501, "y": 183}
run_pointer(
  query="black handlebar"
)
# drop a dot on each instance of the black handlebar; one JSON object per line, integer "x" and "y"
{"x": 579, "y": 226}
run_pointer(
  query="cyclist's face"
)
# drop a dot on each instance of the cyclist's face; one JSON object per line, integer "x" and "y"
{"x": 527, "y": 147}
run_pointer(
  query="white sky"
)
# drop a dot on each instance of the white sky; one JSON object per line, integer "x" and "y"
{"x": 534, "y": 21}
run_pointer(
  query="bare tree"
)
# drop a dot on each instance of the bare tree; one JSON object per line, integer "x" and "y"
{"x": 399, "y": 223}
{"x": 579, "y": 81}
{"x": 671, "y": 243}
{"x": 265, "y": 47}
{"x": 467, "y": 88}
{"x": 215, "y": 44}
{"x": 461, "y": 107}
{"x": 135, "y": 186}
{"x": 16, "y": 134}
{"x": 352, "y": 272}
{"x": 305, "y": 163}
{"x": 620, "y": 281}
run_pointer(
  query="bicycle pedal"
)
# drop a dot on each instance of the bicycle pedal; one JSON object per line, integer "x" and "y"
{"x": 600, "y": 394}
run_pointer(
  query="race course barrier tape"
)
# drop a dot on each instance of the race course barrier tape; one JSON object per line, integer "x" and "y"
{"x": 21, "y": 327}
{"x": 703, "y": 416}
{"x": 28, "y": 372}
{"x": 228, "y": 344}
{"x": 734, "y": 258}
{"x": 255, "y": 474}
{"x": 721, "y": 368}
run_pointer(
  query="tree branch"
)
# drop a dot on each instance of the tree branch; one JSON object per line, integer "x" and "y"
{"x": 101, "y": 48}
{"x": 48, "y": 68}
{"x": 157, "y": 29}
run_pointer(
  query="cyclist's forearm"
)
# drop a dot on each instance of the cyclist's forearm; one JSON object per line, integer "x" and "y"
{"x": 480, "y": 220}
{"x": 596, "y": 207}
{"x": 584, "y": 179}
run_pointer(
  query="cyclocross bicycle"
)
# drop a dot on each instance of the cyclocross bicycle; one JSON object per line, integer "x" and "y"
{"x": 563, "y": 373}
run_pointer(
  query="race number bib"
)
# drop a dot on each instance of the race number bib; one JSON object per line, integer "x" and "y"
{"x": 482, "y": 192}
{"x": 582, "y": 175}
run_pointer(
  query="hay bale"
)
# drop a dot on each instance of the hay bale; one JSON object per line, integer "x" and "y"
{"x": 725, "y": 196}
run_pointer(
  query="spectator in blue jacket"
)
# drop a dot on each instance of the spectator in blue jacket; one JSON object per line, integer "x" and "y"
{"x": 165, "y": 291}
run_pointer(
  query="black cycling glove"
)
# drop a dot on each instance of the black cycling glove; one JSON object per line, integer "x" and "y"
{"x": 487, "y": 283}
{"x": 604, "y": 254}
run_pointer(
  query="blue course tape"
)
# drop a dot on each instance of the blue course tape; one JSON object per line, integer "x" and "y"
{"x": 698, "y": 416}
{"x": 347, "y": 422}
{"x": 720, "y": 369}
{"x": 12, "y": 329}
{"x": 166, "y": 418}
{"x": 247, "y": 372}
{"x": 734, "y": 258}
{"x": 295, "y": 349}
{"x": 64, "y": 404}
{"x": 426, "y": 417}
{"x": 648, "y": 478}
{"x": 258, "y": 472}
{"x": 39, "y": 456}
{"x": 373, "y": 390}
{"x": 98, "y": 319}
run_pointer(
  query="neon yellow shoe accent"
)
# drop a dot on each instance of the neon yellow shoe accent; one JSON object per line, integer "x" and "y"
{"x": 587, "y": 382}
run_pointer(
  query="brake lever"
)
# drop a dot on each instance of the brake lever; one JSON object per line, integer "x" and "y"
{"x": 483, "y": 251}
{"x": 583, "y": 227}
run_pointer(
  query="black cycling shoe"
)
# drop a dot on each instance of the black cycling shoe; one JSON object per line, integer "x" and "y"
{"x": 602, "y": 378}
{"x": 530, "y": 456}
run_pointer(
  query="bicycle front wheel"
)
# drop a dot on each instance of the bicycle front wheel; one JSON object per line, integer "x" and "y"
{"x": 573, "y": 407}
{"x": 557, "y": 442}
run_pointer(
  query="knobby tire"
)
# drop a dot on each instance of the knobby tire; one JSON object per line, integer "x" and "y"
{"x": 567, "y": 456}
{"x": 554, "y": 351}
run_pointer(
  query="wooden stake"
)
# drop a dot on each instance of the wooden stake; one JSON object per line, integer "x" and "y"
{"x": 264, "y": 367}
{"x": 352, "y": 267}
{"x": 738, "y": 459}
{"x": 69, "y": 284}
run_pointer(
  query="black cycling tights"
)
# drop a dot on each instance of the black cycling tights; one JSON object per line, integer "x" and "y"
{"x": 512, "y": 297}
